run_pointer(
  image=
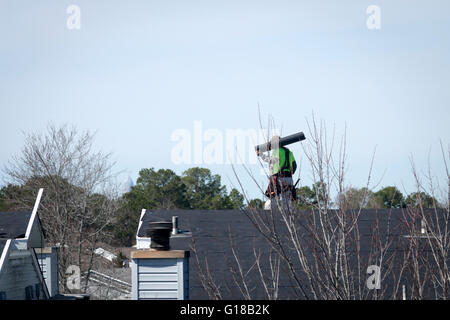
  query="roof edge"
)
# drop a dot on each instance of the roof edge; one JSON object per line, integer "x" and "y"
{"x": 33, "y": 213}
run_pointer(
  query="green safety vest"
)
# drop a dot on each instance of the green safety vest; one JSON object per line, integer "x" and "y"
{"x": 282, "y": 165}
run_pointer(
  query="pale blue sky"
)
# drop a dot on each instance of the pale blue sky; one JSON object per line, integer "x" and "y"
{"x": 138, "y": 70}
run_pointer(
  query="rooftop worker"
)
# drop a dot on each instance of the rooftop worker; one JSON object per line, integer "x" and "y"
{"x": 282, "y": 166}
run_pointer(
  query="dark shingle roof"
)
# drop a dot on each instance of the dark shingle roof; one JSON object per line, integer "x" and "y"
{"x": 14, "y": 224}
{"x": 212, "y": 229}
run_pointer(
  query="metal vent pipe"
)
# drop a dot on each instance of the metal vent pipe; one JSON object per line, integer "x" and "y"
{"x": 174, "y": 225}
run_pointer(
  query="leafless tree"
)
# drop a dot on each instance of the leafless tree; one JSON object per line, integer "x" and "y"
{"x": 80, "y": 193}
{"x": 321, "y": 248}
{"x": 429, "y": 235}
{"x": 316, "y": 247}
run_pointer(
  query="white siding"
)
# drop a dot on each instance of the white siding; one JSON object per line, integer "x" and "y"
{"x": 44, "y": 264}
{"x": 158, "y": 285}
{"x": 160, "y": 278}
{"x": 152, "y": 277}
{"x": 158, "y": 295}
{"x": 49, "y": 266}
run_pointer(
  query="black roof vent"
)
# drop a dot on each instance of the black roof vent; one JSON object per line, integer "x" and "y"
{"x": 159, "y": 232}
